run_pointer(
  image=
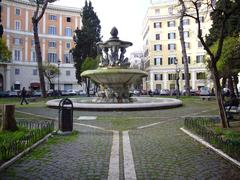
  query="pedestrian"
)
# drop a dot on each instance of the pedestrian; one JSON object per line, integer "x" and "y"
{"x": 23, "y": 95}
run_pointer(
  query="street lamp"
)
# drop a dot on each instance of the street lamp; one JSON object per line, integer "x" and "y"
{"x": 177, "y": 78}
{"x": 58, "y": 62}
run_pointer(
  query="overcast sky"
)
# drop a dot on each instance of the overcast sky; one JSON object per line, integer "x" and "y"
{"x": 126, "y": 15}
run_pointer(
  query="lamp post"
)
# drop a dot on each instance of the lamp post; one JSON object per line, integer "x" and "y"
{"x": 58, "y": 62}
{"x": 177, "y": 78}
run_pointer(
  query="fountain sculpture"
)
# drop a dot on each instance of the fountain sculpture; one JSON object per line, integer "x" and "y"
{"x": 113, "y": 74}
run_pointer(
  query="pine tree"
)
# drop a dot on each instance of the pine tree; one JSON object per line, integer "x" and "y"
{"x": 85, "y": 39}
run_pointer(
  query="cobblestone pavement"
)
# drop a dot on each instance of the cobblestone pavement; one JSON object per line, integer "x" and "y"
{"x": 83, "y": 157}
{"x": 160, "y": 151}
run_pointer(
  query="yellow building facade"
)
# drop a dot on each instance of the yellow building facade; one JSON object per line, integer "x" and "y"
{"x": 56, "y": 30}
{"x": 163, "y": 51}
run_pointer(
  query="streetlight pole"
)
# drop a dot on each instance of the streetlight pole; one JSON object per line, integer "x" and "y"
{"x": 177, "y": 78}
{"x": 58, "y": 76}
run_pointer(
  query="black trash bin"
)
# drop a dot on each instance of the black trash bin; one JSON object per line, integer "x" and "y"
{"x": 65, "y": 115}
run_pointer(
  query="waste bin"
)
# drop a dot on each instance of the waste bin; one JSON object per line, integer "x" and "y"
{"x": 65, "y": 115}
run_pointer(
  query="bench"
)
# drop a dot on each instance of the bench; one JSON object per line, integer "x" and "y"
{"x": 230, "y": 111}
{"x": 207, "y": 97}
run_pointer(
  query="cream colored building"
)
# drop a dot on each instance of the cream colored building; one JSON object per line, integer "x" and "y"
{"x": 55, "y": 31}
{"x": 162, "y": 47}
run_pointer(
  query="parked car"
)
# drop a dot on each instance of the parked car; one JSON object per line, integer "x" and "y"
{"x": 82, "y": 93}
{"x": 36, "y": 93}
{"x": 204, "y": 91}
{"x": 165, "y": 92}
{"x": 64, "y": 93}
{"x": 12, "y": 93}
{"x": 192, "y": 92}
{"x": 156, "y": 92}
{"x": 3, "y": 94}
{"x": 144, "y": 92}
{"x": 136, "y": 92}
{"x": 71, "y": 92}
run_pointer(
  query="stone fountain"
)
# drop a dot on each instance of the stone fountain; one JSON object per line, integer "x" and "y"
{"x": 113, "y": 74}
{"x": 115, "y": 77}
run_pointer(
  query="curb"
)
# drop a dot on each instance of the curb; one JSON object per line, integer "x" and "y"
{"x": 14, "y": 159}
{"x": 218, "y": 151}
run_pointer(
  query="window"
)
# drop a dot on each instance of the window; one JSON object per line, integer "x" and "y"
{"x": 52, "y": 57}
{"x": 33, "y": 56}
{"x": 52, "y": 30}
{"x": 171, "y": 23}
{"x": 68, "y": 19}
{"x": 17, "y": 71}
{"x": 170, "y": 10}
{"x": 52, "y": 44}
{"x": 200, "y": 44}
{"x": 35, "y": 72}
{"x": 158, "y": 77}
{"x": 17, "y": 12}
{"x": 157, "y": 37}
{"x": 201, "y": 19}
{"x": 52, "y": 17}
{"x": 18, "y": 25}
{"x": 68, "y": 73}
{"x": 157, "y": 61}
{"x": 199, "y": 58}
{"x": 201, "y": 75}
{"x": 186, "y": 34}
{"x": 68, "y": 45}
{"x": 186, "y": 22}
{"x": 171, "y": 47}
{"x": 17, "y": 55}
{"x": 157, "y": 25}
{"x": 172, "y": 60}
{"x": 67, "y": 58}
{"x": 188, "y": 58}
{"x": 187, "y": 45}
{"x": 17, "y": 41}
{"x": 157, "y": 12}
{"x": 172, "y": 35}
{"x": 157, "y": 47}
{"x": 171, "y": 76}
{"x": 183, "y": 76}
{"x": 68, "y": 32}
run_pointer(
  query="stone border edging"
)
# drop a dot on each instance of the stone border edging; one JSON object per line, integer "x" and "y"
{"x": 15, "y": 158}
{"x": 218, "y": 151}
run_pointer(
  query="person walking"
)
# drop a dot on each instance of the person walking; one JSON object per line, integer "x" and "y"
{"x": 23, "y": 95}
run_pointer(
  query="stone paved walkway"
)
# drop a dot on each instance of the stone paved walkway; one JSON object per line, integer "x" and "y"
{"x": 160, "y": 150}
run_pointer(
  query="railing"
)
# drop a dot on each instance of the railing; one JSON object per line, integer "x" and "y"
{"x": 204, "y": 128}
{"x": 38, "y": 129}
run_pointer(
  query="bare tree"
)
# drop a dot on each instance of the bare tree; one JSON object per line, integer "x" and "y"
{"x": 184, "y": 52}
{"x": 227, "y": 8}
{"x": 37, "y": 16}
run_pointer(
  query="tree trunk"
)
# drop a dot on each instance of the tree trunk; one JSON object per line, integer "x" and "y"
{"x": 8, "y": 118}
{"x": 235, "y": 79}
{"x": 230, "y": 84}
{"x": 219, "y": 96}
{"x": 224, "y": 82}
{"x": 184, "y": 52}
{"x": 39, "y": 58}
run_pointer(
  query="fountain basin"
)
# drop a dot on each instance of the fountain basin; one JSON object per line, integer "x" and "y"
{"x": 113, "y": 76}
{"x": 142, "y": 103}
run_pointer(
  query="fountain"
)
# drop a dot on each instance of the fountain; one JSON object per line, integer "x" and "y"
{"x": 115, "y": 77}
{"x": 113, "y": 74}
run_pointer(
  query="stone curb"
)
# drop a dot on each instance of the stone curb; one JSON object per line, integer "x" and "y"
{"x": 14, "y": 159}
{"x": 218, "y": 151}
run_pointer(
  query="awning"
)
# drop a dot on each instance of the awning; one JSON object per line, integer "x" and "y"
{"x": 35, "y": 85}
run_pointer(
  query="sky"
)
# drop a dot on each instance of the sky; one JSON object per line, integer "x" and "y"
{"x": 126, "y": 15}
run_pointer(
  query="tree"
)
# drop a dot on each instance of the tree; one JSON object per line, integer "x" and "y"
{"x": 37, "y": 16}
{"x": 184, "y": 52}
{"x": 5, "y": 54}
{"x": 1, "y": 26}
{"x": 85, "y": 39}
{"x": 89, "y": 64}
{"x": 50, "y": 72}
{"x": 224, "y": 10}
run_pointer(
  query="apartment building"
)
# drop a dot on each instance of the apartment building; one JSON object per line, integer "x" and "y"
{"x": 56, "y": 30}
{"x": 162, "y": 47}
